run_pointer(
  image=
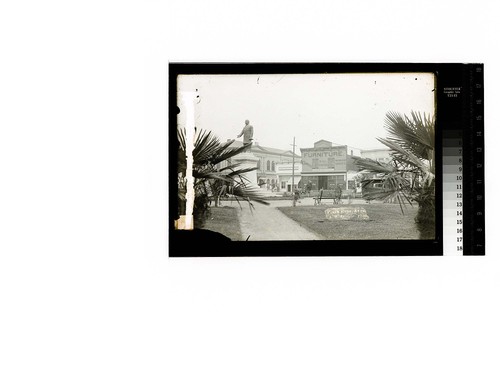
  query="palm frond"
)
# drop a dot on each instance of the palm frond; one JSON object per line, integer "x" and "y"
{"x": 415, "y": 134}
{"x": 423, "y": 127}
{"x": 211, "y": 179}
{"x": 242, "y": 171}
{"x": 225, "y": 153}
{"x": 250, "y": 193}
{"x": 404, "y": 156}
{"x": 181, "y": 137}
{"x": 372, "y": 165}
{"x": 394, "y": 189}
{"x": 411, "y": 178}
{"x": 205, "y": 146}
{"x": 230, "y": 167}
{"x": 204, "y": 175}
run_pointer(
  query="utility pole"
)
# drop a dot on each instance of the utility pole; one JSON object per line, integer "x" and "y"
{"x": 293, "y": 173}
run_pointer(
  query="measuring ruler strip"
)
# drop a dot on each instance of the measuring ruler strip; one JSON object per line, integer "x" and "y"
{"x": 453, "y": 193}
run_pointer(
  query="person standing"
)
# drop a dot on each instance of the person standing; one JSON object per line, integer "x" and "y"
{"x": 296, "y": 196}
{"x": 309, "y": 188}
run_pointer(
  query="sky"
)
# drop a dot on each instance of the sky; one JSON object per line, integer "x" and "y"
{"x": 346, "y": 109}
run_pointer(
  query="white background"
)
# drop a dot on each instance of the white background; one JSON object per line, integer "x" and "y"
{"x": 86, "y": 286}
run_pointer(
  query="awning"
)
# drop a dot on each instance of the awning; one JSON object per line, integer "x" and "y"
{"x": 296, "y": 180}
{"x": 285, "y": 178}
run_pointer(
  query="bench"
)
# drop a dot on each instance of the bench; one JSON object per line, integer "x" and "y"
{"x": 328, "y": 194}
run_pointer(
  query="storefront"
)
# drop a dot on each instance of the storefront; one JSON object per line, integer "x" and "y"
{"x": 285, "y": 176}
{"x": 325, "y": 166}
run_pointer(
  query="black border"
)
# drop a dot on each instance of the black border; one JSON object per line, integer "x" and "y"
{"x": 450, "y": 114}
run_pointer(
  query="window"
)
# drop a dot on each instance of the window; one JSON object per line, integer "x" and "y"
{"x": 258, "y": 164}
{"x": 331, "y": 162}
{"x": 283, "y": 184}
{"x": 337, "y": 180}
{"x": 315, "y": 163}
{"x": 273, "y": 166}
{"x": 268, "y": 165}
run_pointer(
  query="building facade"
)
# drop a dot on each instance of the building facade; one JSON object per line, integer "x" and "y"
{"x": 288, "y": 181}
{"x": 327, "y": 166}
{"x": 269, "y": 158}
{"x": 382, "y": 155}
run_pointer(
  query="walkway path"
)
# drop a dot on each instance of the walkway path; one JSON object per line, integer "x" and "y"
{"x": 267, "y": 223}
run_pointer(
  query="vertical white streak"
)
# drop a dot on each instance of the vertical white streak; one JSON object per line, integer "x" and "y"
{"x": 188, "y": 99}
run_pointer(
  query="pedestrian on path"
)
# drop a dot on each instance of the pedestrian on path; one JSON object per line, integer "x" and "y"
{"x": 296, "y": 196}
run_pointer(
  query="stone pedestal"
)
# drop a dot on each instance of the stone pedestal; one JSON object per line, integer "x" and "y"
{"x": 247, "y": 160}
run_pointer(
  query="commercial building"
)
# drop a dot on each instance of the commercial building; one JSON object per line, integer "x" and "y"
{"x": 288, "y": 181}
{"x": 327, "y": 166}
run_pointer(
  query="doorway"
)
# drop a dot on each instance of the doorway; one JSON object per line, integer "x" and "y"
{"x": 322, "y": 182}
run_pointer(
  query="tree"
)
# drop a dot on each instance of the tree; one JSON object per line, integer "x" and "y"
{"x": 211, "y": 180}
{"x": 410, "y": 177}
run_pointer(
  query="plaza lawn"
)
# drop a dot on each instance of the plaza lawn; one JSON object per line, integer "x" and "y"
{"x": 224, "y": 220}
{"x": 386, "y": 222}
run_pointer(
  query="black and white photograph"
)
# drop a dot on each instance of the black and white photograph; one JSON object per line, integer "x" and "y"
{"x": 256, "y": 187}
{"x": 346, "y": 156}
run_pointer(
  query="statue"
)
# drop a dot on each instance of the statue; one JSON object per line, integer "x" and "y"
{"x": 247, "y": 133}
{"x": 247, "y": 160}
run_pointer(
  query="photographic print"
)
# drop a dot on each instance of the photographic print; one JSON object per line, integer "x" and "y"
{"x": 307, "y": 157}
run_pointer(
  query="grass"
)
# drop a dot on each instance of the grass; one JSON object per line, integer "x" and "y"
{"x": 386, "y": 222}
{"x": 224, "y": 220}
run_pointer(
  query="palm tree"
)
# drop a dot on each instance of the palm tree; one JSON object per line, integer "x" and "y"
{"x": 410, "y": 177}
{"x": 211, "y": 180}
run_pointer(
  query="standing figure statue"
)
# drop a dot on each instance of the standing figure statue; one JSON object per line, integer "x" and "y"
{"x": 247, "y": 133}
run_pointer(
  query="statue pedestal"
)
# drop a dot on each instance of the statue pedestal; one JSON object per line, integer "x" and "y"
{"x": 247, "y": 160}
